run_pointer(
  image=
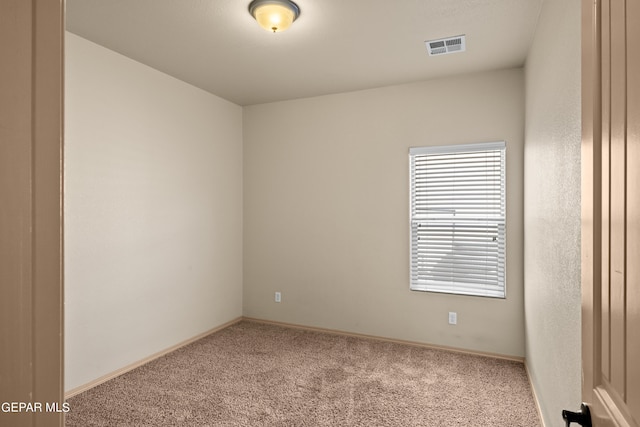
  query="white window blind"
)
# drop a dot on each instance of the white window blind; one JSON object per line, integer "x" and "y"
{"x": 458, "y": 214}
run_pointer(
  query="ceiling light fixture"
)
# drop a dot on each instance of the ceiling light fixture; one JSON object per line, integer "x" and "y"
{"x": 274, "y": 15}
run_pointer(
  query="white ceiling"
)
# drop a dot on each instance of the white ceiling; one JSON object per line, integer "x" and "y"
{"x": 334, "y": 46}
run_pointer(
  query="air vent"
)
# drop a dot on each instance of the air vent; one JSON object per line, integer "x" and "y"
{"x": 445, "y": 46}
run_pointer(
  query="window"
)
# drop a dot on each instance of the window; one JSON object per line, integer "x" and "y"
{"x": 458, "y": 215}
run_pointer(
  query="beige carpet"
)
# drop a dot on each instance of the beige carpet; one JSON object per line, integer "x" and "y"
{"x": 252, "y": 374}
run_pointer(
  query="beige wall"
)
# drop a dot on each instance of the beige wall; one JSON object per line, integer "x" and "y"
{"x": 552, "y": 209}
{"x": 326, "y": 209}
{"x": 153, "y": 211}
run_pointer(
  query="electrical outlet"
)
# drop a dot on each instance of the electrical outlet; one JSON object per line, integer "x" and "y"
{"x": 453, "y": 318}
{"x": 278, "y": 297}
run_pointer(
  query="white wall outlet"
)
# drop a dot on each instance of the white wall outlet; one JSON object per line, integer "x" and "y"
{"x": 278, "y": 297}
{"x": 453, "y": 318}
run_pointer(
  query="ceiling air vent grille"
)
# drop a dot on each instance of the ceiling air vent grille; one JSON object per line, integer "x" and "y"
{"x": 445, "y": 46}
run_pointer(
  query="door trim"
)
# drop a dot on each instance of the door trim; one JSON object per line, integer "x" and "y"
{"x": 31, "y": 264}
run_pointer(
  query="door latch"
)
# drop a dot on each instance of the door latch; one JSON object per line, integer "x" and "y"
{"x": 583, "y": 417}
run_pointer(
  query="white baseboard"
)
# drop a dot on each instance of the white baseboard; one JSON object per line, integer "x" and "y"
{"x": 139, "y": 363}
{"x": 379, "y": 338}
{"x": 535, "y": 395}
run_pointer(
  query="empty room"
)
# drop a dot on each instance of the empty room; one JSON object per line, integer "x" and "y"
{"x": 359, "y": 213}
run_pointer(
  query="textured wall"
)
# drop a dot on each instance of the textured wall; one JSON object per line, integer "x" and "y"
{"x": 153, "y": 211}
{"x": 326, "y": 209}
{"x": 552, "y": 209}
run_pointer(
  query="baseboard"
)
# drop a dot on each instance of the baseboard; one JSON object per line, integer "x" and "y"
{"x": 535, "y": 395}
{"x": 386, "y": 339}
{"x": 139, "y": 363}
{"x": 154, "y": 356}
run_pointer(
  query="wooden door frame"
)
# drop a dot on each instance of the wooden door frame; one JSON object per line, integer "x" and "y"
{"x": 591, "y": 176}
{"x": 31, "y": 264}
{"x": 606, "y": 409}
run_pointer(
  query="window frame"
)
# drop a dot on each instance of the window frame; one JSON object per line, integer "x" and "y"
{"x": 428, "y": 264}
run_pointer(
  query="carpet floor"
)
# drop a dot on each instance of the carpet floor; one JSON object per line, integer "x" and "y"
{"x": 254, "y": 374}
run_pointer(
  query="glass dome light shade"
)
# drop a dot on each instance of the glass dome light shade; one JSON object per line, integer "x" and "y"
{"x": 274, "y": 16}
